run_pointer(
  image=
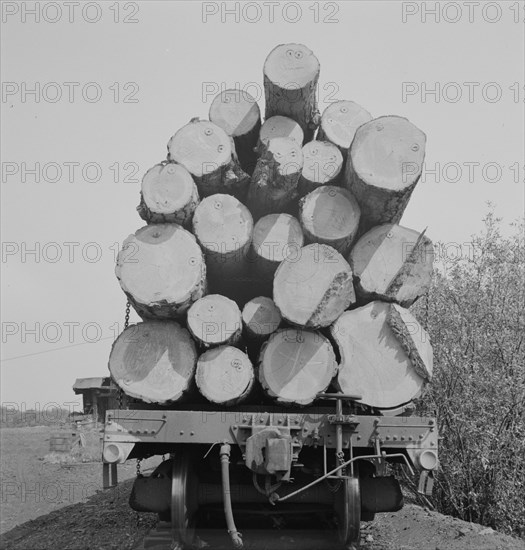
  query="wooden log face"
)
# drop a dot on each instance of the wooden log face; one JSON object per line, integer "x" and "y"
{"x": 291, "y": 72}
{"x": 225, "y": 375}
{"x": 201, "y": 147}
{"x": 340, "y": 121}
{"x": 313, "y": 288}
{"x": 214, "y": 320}
{"x": 374, "y": 359}
{"x": 153, "y": 361}
{"x": 330, "y": 215}
{"x": 169, "y": 194}
{"x": 295, "y": 365}
{"x": 322, "y": 164}
{"x": 162, "y": 271}
{"x": 384, "y": 164}
{"x": 235, "y": 111}
{"x": 261, "y": 317}
{"x": 392, "y": 263}
{"x": 275, "y": 237}
{"x": 280, "y": 127}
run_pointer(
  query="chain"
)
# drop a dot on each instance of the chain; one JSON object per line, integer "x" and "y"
{"x": 139, "y": 460}
{"x": 120, "y": 396}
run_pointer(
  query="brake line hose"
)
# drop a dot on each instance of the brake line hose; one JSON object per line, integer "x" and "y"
{"x": 226, "y": 496}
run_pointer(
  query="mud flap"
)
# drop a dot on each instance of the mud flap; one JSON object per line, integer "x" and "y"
{"x": 380, "y": 494}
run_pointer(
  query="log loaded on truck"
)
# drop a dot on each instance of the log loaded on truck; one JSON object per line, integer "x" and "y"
{"x": 276, "y": 363}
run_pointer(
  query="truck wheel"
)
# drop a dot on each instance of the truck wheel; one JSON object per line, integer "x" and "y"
{"x": 348, "y": 511}
{"x": 184, "y": 498}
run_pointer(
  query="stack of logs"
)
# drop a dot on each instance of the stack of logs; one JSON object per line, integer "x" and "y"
{"x": 272, "y": 265}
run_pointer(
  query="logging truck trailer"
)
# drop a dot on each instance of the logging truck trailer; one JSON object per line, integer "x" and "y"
{"x": 330, "y": 459}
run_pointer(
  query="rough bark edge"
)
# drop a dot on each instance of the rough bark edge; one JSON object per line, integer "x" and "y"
{"x": 405, "y": 338}
{"x": 289, "y": 403}
{"x": 178, "y": 396}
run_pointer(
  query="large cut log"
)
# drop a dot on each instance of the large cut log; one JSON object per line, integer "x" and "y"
{"x": 153, "y": 361}
{"x": 322, "y": 165}
{"x": 312, "y": 288}
{"x": 392, "y": 263}
{"x": 386, "y": 356}
{"x": 291, "y": 72}
{"x": 225, "y": 375}
{"x": 279, "y": 126}
{"x": 215, "y": 320}
{"x": 168, "y": 195}
{"x": 162, "y": 271}
{"x": 274, "y": 182}
{"x": 238, "y": 114}
{"x": 330, "y": 215}
{"x": 275, "y": 237}
{"x": 260, "y": 318}
{"x": 223, "y": 227}
{"x": 295, "y": 365}
{"x": 207, "y": 152}
{"x": 340, "y": 121}
{"x": 384, "y": 164}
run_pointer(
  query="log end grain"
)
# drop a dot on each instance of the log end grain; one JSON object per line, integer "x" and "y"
{"x": 322, "y": 165}
{"x": 261, "y": 317}
{"x": 168, "y": 195}
{"x": 295, "y": 365}
{"x": 224, "y": 375}
{"x": 291, "y": 66}
{"x": 153, "y": 361}
{"x": 330, "y": 215}
{"x": 392, "y": 263}
{"x": 313, "y": 288}
{"x": 235, "y": 111}
{"x": 280, "y": 127}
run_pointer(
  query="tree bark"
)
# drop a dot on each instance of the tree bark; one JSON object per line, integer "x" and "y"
{"x": 238, "y": 114}
{"x": 161, "y": 269}
{"x": 206, "y": 151}
{"x": 279, "y": 126}
{"x": 386, "y": 356}
{"x": 260, "y": 318}
{"x": 295, "y": 365}
{"x": 322, "y": 165}
{"x": 225, "y": 375}
{"x": 339, "y": 123}
{"x": 215, "y": 320}
{"x": 168, "y": 195}
{"x": 274, "y": 181}
{"x": 393, "y": 264}
{"x": 291, "y": 73}
{"x": 314, "y": 287}
{"x": 223, "y": 227}
{"x": 153, "y": 361}
{"x": 384, "y": 164}
{"x": 330, "y": 215}
{"x": 275, "y": 237}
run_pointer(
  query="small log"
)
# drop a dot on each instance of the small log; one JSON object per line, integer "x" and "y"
{"x": 295, "y": 365}
{"x": 260, "y": 318}
{"x": 393, "y": 264}
{"x": 386, "y": 356}
{"x": 291, "y": 73}
{"x": 314, "y": 287}
{"x": 161, "y": 269}
{"x": 225, "y": 375}
{"x": 168, "y": 195}
{"x": 153, "y": 361}
{"x": 279, "y": 126}
{"x": 384, "y": 164}
{"x": 238, "y": 114}
{"x": 274, "y": 181}
{"x": 330, "y": 215}
{"x": 275, "y": 237}
{"x": 223, "y": 227}
{"x": 215, "y": 320}
{"x": 322, "y": 165}
{"x": 207, "y": 152}
{"x": 339, "y": 123}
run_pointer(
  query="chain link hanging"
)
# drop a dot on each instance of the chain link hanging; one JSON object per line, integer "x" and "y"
{"x": 120, "y": 396}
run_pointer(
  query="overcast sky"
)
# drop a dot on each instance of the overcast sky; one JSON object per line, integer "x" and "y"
{"x": 110, "y": 93}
